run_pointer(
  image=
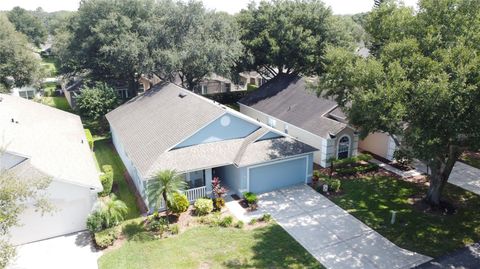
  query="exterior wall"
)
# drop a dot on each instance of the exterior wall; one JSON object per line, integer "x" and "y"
{"x": 137, "y": 180}
{"x": 350, "y": 133}
{"x": 235, "y": 179}
{"x": 72, "y": 205}
{"x": 377, "y": 143}
{"x": 224, "y": 128}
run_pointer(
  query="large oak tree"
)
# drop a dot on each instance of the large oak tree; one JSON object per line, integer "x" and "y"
{"x": 422, "y": 86}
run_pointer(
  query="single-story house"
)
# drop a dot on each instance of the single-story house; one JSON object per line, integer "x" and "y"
{"x": 169, "y": 127}
{"x": 27, "y": 92}
{"x": 289, "y": 104}
{"x": 218, "y": 84}
{"x": 41, "y": 141}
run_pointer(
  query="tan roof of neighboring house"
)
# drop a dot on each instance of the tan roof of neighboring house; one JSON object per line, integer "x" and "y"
{"x": 52, "y": 140}
{"x": 150, "y": 125}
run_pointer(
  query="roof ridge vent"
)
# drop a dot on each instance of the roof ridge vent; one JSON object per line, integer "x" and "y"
{"x": 182, "y": 95}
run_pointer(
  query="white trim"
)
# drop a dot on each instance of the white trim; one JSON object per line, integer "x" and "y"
{"x": 276, "y": 162}
{"x": 349, "y": 144}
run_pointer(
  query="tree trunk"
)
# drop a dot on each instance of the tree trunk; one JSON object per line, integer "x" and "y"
{"x": 441, "y": 168}
{"x": 164, "y": 194}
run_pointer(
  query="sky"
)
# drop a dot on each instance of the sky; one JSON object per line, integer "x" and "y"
{"x": 230, "y": 6}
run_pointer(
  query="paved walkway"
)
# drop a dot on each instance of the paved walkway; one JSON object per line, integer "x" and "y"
{"x": 465, "y": 258}
{"x": 72, "y": 251}
{"x": 463, "y": 175}
{"x": 334, "y": 237}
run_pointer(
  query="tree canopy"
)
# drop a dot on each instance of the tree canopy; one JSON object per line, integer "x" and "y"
{"x": 18, "y": 65}
{"x": 26, "y": 23}
{"x": 289, "y": 36}
{"x": 422, "y": 86}
{"x": 95, "y": 102}
{"x": 116, "y": 41}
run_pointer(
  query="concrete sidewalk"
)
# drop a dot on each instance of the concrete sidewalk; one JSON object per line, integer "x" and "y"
{"x": 465, "y": 258}
{"x": 334, "y": 237}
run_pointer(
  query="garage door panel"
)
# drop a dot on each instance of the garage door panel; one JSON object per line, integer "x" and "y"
{"x": 278, "y": 175}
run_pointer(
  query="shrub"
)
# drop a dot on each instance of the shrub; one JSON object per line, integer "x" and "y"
{"x": 89, "y": 136}
{"x": 95, "y": 222}
{"x": 157, "y": 225}
{"x": 180, "y": 203}
{"x": 203, "y": 206}
{"x": 174, "y": 229}
{"x": 364, "y": 157}
{"x": 219, "y": 203}
{"x": 239, "y": 224}
{"x": 107, "y": 180}
{"x": 334, "y": 184}
{"x": 106, "y": 238}
{"x": 266, "y": 218}
{"x": 253, "y": 221}
{"x": 250, "y": 197}
{"x": 226, "y": 222}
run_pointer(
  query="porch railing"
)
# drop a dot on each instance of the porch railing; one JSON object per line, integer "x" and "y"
{"x": 194, "y": 194}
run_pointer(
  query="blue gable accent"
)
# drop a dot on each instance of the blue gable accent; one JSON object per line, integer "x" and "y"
{"x": 269, "y": 135}
{"x": 224, "y": 128}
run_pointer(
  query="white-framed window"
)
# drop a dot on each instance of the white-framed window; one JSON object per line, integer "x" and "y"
{"x": 272, "y": 122}
{"x": 343, "y": 150}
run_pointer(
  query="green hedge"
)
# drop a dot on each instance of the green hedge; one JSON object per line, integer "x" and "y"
{"x": 357, "y": 169}
{"x": 352, "y": 160}
{"x": 89, "y": 136}
{"x": 227, "y": 97}
{"x": 107, "y": 237}
{"x": 107, "y": 180}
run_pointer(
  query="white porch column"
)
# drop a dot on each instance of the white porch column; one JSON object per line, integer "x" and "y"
{"x": 355, "y": 145}
{"x": 208, "y": 180}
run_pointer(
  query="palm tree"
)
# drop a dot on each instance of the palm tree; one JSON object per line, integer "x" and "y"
{"x": 163, "y": 186}
{"x": 114, "y": 211}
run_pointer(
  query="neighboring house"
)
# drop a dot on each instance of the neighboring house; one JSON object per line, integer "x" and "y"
{"x": 169, "y": 127}
{"x": 286, "y": 103}
{"x": 218, "y": 84}
{"x": 41, "y": 141}
{"x": 71, "y": 88}
{"x": 27, "y": 92}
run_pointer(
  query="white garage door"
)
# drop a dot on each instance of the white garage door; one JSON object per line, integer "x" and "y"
{"x": 72, "y": 204}
{"x": 277, "y": 175}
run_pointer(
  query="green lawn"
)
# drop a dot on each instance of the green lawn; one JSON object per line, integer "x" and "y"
{"x": 57, "y": 102}
{"x": 105, "y": 153}
{"x": 50, "y": 66}
{"x": 472, "y": 159}
{"x": 213, "y": 247}
{"x": 372, "y": 199}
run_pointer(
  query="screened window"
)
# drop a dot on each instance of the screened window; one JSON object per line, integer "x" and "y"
{"x": 343, "y": 147}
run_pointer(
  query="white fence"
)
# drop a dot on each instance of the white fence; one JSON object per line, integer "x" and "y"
{"x": 192, "y": 195}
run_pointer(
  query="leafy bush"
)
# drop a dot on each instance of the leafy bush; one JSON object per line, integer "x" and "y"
{"x": 106, "y": 238}
{"x": 266, "y": 218}
{"x": 253, "y": 221}
{"x": 157, "y": 225}
{"x": 174, "y": 229}
{"x": 203, "y": 206}
{"x": 403, "y": 157}
{"x": 107, "y": 180}
{"x": 94, "y": 103}
{"x": 250, "y": 197}
{"x": 180, "y": 203}
{"x": 334, "y": 184}
{"x": 227, "y": 97}
{"x": 352, "y": 160}
{"x": 226, "y": 222}
{"x": 95, "y": 222}
{"x": 364, "y": 157}
{"x": 219, "y": 203}
{"x": 89, "y": 136}
{"x": 239, "y": 224}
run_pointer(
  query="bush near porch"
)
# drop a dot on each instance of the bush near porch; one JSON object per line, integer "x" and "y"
{"x": 372, "y": 198}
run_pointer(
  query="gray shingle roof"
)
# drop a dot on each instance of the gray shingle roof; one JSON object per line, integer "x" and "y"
{"x": 52, "y": 140}
{"x": 150, "y": 125}
{"x": 290, "y": 99}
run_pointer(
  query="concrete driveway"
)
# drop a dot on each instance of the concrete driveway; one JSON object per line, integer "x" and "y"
{"x": 334, "y": 237}
{"x": 72, "y": 251}
{"x": 466, "y": 177}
